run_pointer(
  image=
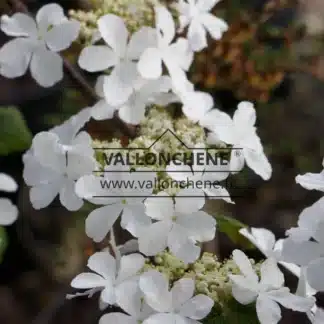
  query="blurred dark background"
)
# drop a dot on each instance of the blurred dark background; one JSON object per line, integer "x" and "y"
{"x": 48, "y": 247}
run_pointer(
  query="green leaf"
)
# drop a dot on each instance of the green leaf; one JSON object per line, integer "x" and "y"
{"x": 231, "y": 226}
{"x": 3, "y": 242}
{"x": 14, "y": 133}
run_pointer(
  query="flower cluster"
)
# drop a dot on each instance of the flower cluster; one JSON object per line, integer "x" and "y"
{"x": 143, "y": 72}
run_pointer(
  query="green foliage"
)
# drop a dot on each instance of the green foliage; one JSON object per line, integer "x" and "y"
{"x": 14, "y": 133}
{"x": 3, "y": 241}
{"x": 231, "y": 226}
{"x": 232, "y": 313}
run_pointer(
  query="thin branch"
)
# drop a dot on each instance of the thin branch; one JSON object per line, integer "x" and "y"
{"x": 127, "y": 129}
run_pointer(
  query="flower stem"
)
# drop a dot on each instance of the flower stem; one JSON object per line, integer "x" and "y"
{"x": 126, "y": 129}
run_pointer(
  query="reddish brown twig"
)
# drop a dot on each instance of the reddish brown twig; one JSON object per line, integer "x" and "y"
{"x": 127, "y": 129}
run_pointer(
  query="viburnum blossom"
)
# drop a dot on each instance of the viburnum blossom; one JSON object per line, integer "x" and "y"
{"x": 196, "y": 14}
{"x": 36, "y": 44}
{"x": 8, "y": 211}
{"x": 109, "y": 275}
{"x": 178, "y": 225}
{"x": 132, "y": 111}
{"x": 56, "y": 159}
{"x": 208, "y": 174}
{"x": 267, "y": 292}
{"x": 266, "y": 242}
{"x": 177, "y": 57}
{"x": 241, "y": 133}
{"x": 178, "y": 305}
{"x": 116, "y": 200}
{"x": 120, "y": 54}
{"x": 305, "y": 244}
{"x": 129, "y": 297}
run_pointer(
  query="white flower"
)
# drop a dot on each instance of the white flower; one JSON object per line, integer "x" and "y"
{"x": 241, "y": 133}
{"x": 108, "y": 274}
{"x": 177, "y": 305}
{"x": 129, "y": 297}
{"x": 312, "y": 181}
{"x": 196, "y": 14}
{"x": 266, "y": 242}
{"x": 120, "y": 191}
{"x": 119, "y": 55}
{"x": 268, "y": 292}
{"x": 178, "y": 225}
{"x": 8, "y": 211}
{"x": 145, "y": 92}
{"x": 176, "y": 56}
{"x": 305, "y": 245}
{"x": 36, "y": 44}
{"x": 56, "y": 159}
{"x": 209, "y": 174}
{"x": 319, "y": 316}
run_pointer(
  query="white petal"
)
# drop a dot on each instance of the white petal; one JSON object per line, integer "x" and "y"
{"x": 7, "y": 183}
{"x": 300, "y": 253}
{"x": 8, "y": 212}
{"x": 197, "y": 104}
{"x": 46, "y": 67}
{"x": 104, "y": 264}
{"x": 178, "y": 170}
{"x": 181, "y": 53}
{"x": 15, "y": 57}
{"x": 150, "y": 64}
{"x": 68, "y": 197}
{"x": 154, "y": 239}
{"x": 118, "y": 86}
{"x": 97, "y": 58}
{"x": 128, "y": 297}
{"x": 107, "y": 295}
{"x": 315, "y": 274}
{"x": 197, "y": 36}
{"x": 61, "y": 36}
{"x": 102, "y": 110}
{"x": 218, "y": 192}
{"x": 268, "y": 311}
{"x": 200, "y": 225}
{"x": 18, "y": 24}
{"x": 141, "y": 40}
{"x": 132, "y": 112}
{"x": 319, "y": 316}
{"x": 271, "y": 276}
{"x": 49, "y": 16}
{"x": 245, "y": 265}
{"x": 182, "y": 246}
{"x": 101, "y": 220}
{"x": 245, "y": 115}
{"x": 259, "y": 163}
{"x": 215, "y": 26}
{"x": 182, "y": 291}
{"x": 117, "y": 318}
{"x": 189, "y": 200}
{"x": 197, "y": 307}
{"x": 88, "y": 280}
{"x": 288, "y": 300}
{"x": 311, "y": 181}
{"x": 113, "y": 30}
{"x": 221, "y": 124}
{"x": 165, "y": 24}
{"x": 159, "y": 206}
{"x": 243, "y": 295}
{"x": 42, "y": 195}
{"x": 237, "y": 160}
{"x": 134, "y": 219}
{"x": 154, "y": 285}
{"x": 262, "y": 238}
{"x": 129, "y": 266}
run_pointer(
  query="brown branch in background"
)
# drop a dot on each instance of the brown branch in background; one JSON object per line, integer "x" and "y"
{"x": 126, "y": 129}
